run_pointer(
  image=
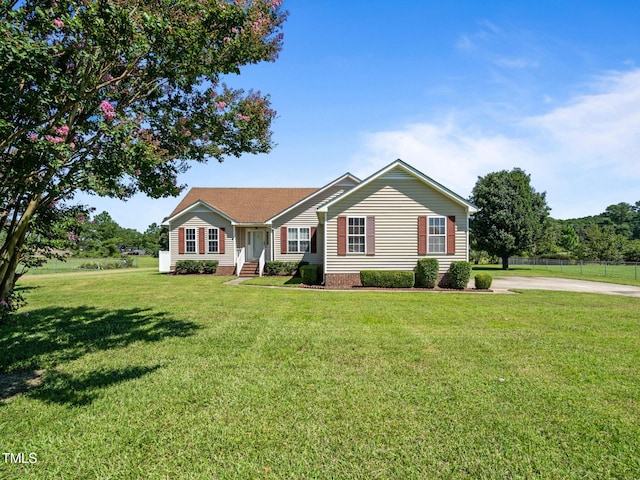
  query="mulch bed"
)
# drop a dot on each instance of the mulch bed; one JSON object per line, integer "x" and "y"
{"x": 383, "y": 289}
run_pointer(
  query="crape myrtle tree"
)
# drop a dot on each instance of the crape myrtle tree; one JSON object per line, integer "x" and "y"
{"x": 115, "y": 97}
{"x": 511, "y": 215}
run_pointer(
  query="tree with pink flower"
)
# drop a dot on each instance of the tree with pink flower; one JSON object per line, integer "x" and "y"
{"x": 115, "y": 97}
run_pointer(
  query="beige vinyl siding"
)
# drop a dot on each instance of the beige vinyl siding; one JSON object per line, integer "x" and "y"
{"x": 305, "y": 215}
{"x": 396, "y": 199}
{"x": 197, "y": 218}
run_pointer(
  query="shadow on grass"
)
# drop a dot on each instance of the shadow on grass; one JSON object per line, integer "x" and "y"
{"x": 82, "y": 389}
{"x": 49, "y": 337}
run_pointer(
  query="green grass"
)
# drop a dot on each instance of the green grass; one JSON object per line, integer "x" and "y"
{"x": 274, "y": 281}
{"x": 153, "y": 376}
{"x": 620, "y": 274}
{"x": 75, "y": 264}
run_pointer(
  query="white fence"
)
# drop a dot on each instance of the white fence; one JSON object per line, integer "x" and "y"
{"x": 164, "y": 264}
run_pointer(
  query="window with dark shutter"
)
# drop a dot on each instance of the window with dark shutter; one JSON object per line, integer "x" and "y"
{"x": 342, "y": 235}
{"x": 298, "y": 239}
{"x": 422, "y": 235}
{"x": 451, "y": 234}
{"x": 181, "y": 240}
{"x": 222, "y": 238}
{"x": 371, "y": 235}
{"x": 436, "y": 237}
{"x": 190, "y": 240}
{"x": 314, "y": 243}
{"x": 283, "y": 240}
{"x": 201, "y": 240}
{"x": 356, "y": 234}
{"x": 213, "y": 241}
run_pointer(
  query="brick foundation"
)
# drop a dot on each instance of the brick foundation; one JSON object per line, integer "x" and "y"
{"x": 225, "y": 271}
{"x": 349, "y": 280}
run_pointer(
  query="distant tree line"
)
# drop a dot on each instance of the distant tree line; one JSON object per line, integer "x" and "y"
{"x": 101, "y": 236}
{"x": 613, "y": 235}
{"x": 513, "y": 220}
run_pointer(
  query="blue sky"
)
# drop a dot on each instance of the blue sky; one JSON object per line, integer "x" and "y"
{"x": 458, "y": 89}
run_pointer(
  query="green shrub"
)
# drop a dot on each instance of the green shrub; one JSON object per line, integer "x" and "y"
{"x": 387, "y": 278}
{"x": 209, "y": 266}
{"x": 427, "y": 272}
{"x": 311, "y": 274}
{"x": 460, "y": 273}
{"x": 275, "y": 267}
{"x": 185, "y": 267}
{"x": 89, "y": 266}
{"x": 483, "y": 281}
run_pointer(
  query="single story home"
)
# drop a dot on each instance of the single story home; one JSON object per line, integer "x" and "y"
{"x": 385, "y": 222}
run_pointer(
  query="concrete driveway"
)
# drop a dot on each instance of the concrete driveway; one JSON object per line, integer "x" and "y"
{"x": 564, "y": 284}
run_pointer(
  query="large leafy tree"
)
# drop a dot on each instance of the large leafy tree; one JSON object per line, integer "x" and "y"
{"x": 114, "y": 97}
{"x": 511, "y": 214}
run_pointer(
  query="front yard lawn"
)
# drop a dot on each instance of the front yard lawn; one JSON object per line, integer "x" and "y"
{"x": 151, "y": 376}
{"x": 274, "y": 281}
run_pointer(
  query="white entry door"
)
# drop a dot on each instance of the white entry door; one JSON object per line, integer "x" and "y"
{"x": 255, "y": 244}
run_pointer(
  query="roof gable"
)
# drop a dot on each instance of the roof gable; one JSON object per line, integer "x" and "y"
{"x": 347, "y": 179}
{"x": 412, "y": 171}
{"x": 243, "y": 205}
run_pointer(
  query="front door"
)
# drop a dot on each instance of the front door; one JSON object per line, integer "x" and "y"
{"x": 255, "y": 244}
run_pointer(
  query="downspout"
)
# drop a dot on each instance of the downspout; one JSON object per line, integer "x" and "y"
{"x": 468, "y": 244}
{"x": 324, "y": 253}
{"x": 235, "y": 247}
{"x": 272, "y": 242}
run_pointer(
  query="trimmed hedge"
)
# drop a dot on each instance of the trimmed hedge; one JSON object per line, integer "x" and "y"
{"x": 483, "y": 281}
{"x": 311, "y": 274}
{"x": 186, "y": 267}
{"x": 460, "y": 273}
{"x": 387, "y": 278}
{"x": 208, "y": 266}
{"x": 275, "y": 267}
{"x": 427, "y": 272}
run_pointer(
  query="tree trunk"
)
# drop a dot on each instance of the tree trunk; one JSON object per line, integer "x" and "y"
{"x": 505, "y": 263}
{"x": 10, "y": 252}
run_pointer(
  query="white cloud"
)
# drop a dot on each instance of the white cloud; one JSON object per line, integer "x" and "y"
{"x": 598, "y": 129}
{"x": 446, "y": 152}
{"x": 585, "y": 154}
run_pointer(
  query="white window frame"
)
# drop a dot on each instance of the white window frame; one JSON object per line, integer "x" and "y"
{"x": 433, "y": 235}
{"x": 298, "y": 240}
{"x": 211, "y": 241}
{"x": 351, "y": 244}
{"x": 188, "y": 241}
